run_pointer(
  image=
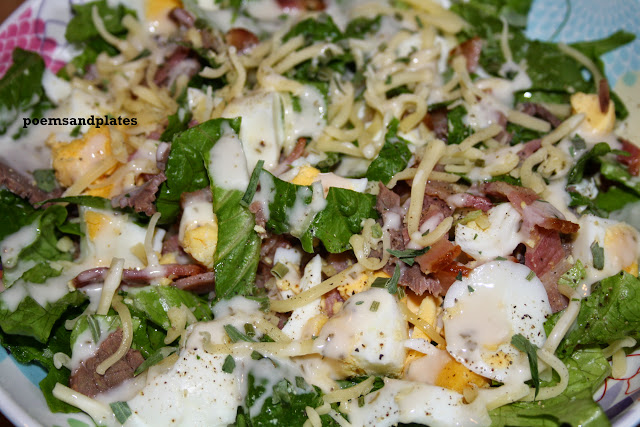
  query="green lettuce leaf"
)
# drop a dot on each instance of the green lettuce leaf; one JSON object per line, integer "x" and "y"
{"x": 610, "y": 313}
{"x": 33, "y": 320}
{"x": 339, "y": 220}
{"x": 285, "y": 404}
{"x": 575, "y": 406}
{"x": 15, "y": 213}
{"x": 81, "y": 32}
{"x": 153, "y": 302}
{"x": 27, "y": 350}
{"x": 21, "y": 91}
{"x": 393, "y": 157}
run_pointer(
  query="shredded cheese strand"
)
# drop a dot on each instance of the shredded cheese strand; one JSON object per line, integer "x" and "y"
{"x": 354, "y": 392}
{"x": 127, "y": 336}
{"x": 111, "y": 284}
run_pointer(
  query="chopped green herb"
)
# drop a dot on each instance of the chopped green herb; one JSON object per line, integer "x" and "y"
{"x": 459, "y": 275}
{"x": 524, "y": 345}
{"x": 121, "y": 410}
{"x": 374, "y": 306}
{"x": 295, "y": 103}
{"x": 229, "y": 364}
{"x": 256, "y": 356}
{"x": 235, "y": 335}
{"x": 249, "y": 330}
{"x": 401, "y": 293}
{"x": 597, "y": 253}
{"x": 500, "y": 258}
{"x": 376, "y": 231}
{"x": 380, "y": 282}
{"x": 475, "y": 236}
{"x": 75, "y": 132}
{"x": 408, "y": 255}
{"x": 573, "y": 276}
{"x": 45, "y": 179}
{"x": 392, "y": 284}
{"x": 253, "y": 184}
{"x": 279, "y": 270}
{"x": 359, "y": 302}
{"x": 94, "y": 327}
{"x": 531, "y": 275}
{"x": 419, "y": 22}
{"x": 470, "y": 289}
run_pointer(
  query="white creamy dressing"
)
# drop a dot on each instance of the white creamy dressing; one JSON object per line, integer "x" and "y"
{"x": 227, "y": 162}
{"x": 309, "y": 121}
{"x": 301, "y": 214}
{"x": 411, "y": 402}
{"x": 84, "y": 347}
{"x": 43, "y": 293}
{"x": 196, "y": 213}
{"x": 485, "y": 309}
{"x": 112, "y": 235}
{"x": 297, "y": 327}
{"x": 14, "y": 243}
{"x": 366, "y": 335}
{"x": 619, "y": 241}
{"x": 261, "y": 127}
{"x": 499, "y": 239}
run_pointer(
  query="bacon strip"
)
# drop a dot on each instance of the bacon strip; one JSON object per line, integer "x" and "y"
{"x": 633, "y": 159}
{"x": 471, "y": 50}
{"x": 243, "y": 40}
{"x": 548, "y": 259}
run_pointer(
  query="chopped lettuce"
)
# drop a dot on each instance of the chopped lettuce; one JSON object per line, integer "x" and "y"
{"x": 294, "y": 209}
{"x": 153, "y": 303}
{"x": 610, "y": 313}
{"x": 28, "y": 350}
{"x": 21, "y": 91}
{"x": 393, "y": 157}
{"x": 285, "y": 404}
{"x": 575, "y": 406}
{"x": 82, "y": 32}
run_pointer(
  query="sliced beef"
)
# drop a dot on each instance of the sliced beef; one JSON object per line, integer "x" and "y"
{"x": 199, "y": 283}
{"x": 133, "y": 277}
{"x": 529, "y": 148}
{"x": 182, "y": 17}
{"x": 538, "y": 110}
{"x": 471, "y": 50}
{"x": 142, "y": 197}
{"x": 437, "y": 122}
{"x": 310, "y": 5}
{"x": 413, "y": 278}
{"x": 87, "y": 381}
{"x": 243, "y": 40}
{"x": 178, "y": 63}
{"x": 23, "y": 186}
{"x": 332, "y": 302}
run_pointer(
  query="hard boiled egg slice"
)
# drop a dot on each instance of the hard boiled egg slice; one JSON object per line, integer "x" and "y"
{"x": 499, "y": 239}
{"x": 484, "y": 310}
{"x": 606, "y": 247}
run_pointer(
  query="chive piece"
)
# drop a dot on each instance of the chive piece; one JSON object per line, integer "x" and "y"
{"x": 235, "y": 335}
{"x": 94, "y": 327}
{"x": 301, "y": 383}
{"x": 471, "y": 216}
{"x": 408, "y": 255}
{"x": 392, "y": 284}
{"x": 374, "y": 306}
{"x": 253, "y": 184}
{"x": 380, "y": 282}
{"x": 470, "y": 289}
{"x": 279, "y": 270}
{"x": 229, "y": 364}
{"x": 121, "y": 410}
{"x": 524, "y": 345}
{"x": 75, "y": 132}
{"x": 155, "y": 358}
{"x": 531, "y": 275}
{"x": 249, "y": 330}
{"x": 500, "y": 258}
{"x": 419, "y": 22}
{"x": 256, "y": 356}
{"x": 376, "y": 231}
{"x": 361, "y": 401}
{"x": 359, "y": 302}
{"x": 401, "y": 293}
{"x": 459, "y": 275}
{"x": 597, "y": 253}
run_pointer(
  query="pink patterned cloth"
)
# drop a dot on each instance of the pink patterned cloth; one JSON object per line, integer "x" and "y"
{"x": 27, "y": 33}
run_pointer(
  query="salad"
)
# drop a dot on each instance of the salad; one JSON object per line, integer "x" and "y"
{"x": 318, "y": 213}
